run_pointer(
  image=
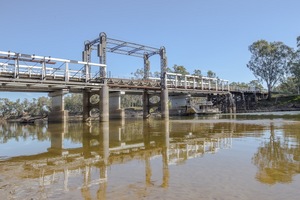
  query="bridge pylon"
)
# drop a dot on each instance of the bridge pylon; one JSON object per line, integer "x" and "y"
{"x": 58, "y": 112}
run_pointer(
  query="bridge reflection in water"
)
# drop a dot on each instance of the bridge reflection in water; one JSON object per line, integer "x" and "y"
{"x": 144, "y": 158}
{"x": 100, "y": 146}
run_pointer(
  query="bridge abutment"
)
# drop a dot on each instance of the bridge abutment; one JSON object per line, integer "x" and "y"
{"x": 58, "y": 112}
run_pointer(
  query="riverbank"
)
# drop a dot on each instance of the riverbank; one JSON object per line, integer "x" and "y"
{"x": 278, "y": 103}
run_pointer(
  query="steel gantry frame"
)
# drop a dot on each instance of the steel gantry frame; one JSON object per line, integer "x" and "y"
{"x": 104, "y": 44}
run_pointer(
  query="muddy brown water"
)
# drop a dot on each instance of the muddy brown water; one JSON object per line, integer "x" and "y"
{"x": 242, "y": 156}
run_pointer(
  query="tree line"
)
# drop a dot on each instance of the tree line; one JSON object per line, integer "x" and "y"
{"x": 37, "y": 106}
{"x": 15, "y": 109}
{"x": 178, "y": 69}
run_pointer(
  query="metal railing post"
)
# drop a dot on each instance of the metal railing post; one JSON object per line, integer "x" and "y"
{"x": 67, "y": 72}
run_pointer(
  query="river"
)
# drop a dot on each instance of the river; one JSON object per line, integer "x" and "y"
{"x": 242, "y": 156}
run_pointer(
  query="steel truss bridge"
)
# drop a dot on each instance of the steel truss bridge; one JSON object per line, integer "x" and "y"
{"x": 33, "y": 73}
{"x": 24, "y": 72}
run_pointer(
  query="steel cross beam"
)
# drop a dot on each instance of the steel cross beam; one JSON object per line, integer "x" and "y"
{"x": 123, "y": 47}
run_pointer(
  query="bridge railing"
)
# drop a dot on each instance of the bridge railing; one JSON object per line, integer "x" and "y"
{"x": 246, "y": 89}
{"x": 16, "y": 65}
{"x": 175, "y": 80}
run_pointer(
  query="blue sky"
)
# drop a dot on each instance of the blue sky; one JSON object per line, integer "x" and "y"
{"x": 206, "y": 35}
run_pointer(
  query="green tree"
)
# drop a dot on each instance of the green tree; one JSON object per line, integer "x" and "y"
{"x": 179, "y": 69}
{"x": 256, "y": 84}
{"x": 73, "y": 103}
{"x": 295, "y": 67}
{"x": 287, "y": 86}
{"x": 138, "y": 74}
{"x": 44, "y": 105}
{"x": 131, "y": 101}
{"x": 156, "y": 74}
{"x": 197, "y": 72}
{"x": 238, "y": 85}
{"x": 10, "y": 109}
{"x": 269, "y": 62}
{"x": 211, "y": 74}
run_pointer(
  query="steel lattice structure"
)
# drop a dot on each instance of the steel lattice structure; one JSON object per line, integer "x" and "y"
{"x": 103, "y": 44}
{"x": 122, "y": 47}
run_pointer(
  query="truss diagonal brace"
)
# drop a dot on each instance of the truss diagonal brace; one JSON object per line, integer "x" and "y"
{"x": 118, "y": 47}
{"x": 135, "y": 50}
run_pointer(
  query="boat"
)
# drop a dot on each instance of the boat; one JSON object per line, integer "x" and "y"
{"x": 192, "y": 105}
{"x": 202, "y": 108}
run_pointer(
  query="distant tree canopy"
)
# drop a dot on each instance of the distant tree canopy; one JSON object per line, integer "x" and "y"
{"x": 73, "y": 103}
{"x": 211, "y": 74}
{"x": 138, "y": 74}
{"x": 270, "y": 62}
{"x": 295, "y": 68}
{"x": 197, "y": 72}
{"x": 18, "y": 108}
{"x": 179, "y": 69}
{"x": 255, "y": 84}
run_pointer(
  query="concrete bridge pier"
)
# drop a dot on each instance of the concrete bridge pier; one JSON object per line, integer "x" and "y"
{"x": 164, "y": 99}
{"x": 115, "y": 110}
{"x": 86, "y": 105}
{"x": 58, "y": 112}
{"x": 146, "y": 104}
{"x": 109, "y": 104}
{"x": 90, "y": 103}
{"x": 104, "y": 103}
{"x": 231, "y": 103}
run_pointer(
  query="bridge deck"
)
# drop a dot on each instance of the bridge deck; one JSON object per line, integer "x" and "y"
{"x": 22, "y": 72}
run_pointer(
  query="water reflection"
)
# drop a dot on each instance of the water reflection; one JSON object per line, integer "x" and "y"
{"x": 79, "y": 155}
{"x": 278, "y": 157}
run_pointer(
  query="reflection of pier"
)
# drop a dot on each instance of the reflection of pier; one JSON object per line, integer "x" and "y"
{"x": 104, "y": 145}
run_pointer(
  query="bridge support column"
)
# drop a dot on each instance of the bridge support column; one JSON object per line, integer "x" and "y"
{"x": 104, "y": 103}
{"x": 86, "y": 105}
{"x": 146, "y": 66}
{"x": 146, "y": 105}
{"x": 231, "y": 103}
{"x": 244, "y": 106}
{"x": 58, "y": 113}
{"x": 164, "y": 99}
{"x": 115, "y": 110}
